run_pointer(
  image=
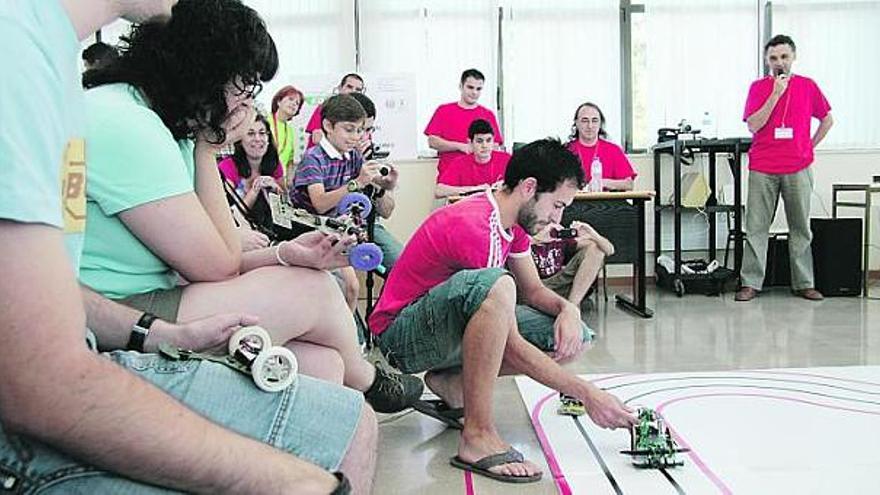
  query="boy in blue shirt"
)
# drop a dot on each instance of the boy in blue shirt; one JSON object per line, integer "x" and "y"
{"x": 335, "y": 168}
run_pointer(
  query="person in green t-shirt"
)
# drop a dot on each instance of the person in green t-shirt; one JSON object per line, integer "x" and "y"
{"x": 155, "y": 216}
{"x": 285, "y": 106}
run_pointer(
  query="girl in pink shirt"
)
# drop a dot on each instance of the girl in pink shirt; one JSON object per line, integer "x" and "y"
{"x": 587, "y": 141}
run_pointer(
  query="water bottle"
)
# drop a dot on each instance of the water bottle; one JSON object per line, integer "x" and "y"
{"x": 596, "y": 175}
{"x": 708, "y": 130}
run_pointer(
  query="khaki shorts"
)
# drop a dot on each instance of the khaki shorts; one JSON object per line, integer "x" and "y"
{"x": 164, "y": 303}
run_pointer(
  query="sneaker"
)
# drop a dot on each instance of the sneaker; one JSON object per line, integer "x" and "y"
{"x": 393, "y": 392}
{"x": 809, "y": 294}
{"x": 745, "y": 294}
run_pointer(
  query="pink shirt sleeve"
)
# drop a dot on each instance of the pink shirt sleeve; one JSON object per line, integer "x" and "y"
{"x": 521, "y": 242}
{"x": 758, "y": 94}
{"x": 449, "y": 175}
{"x": 230, "y": 173}
{"x": 279, "y": 172}
{"x": 821, "y": 107}
{"x": 621, "y": 167}
{"x": 473, "y": 254}
{"x": 314, "y": 120}
{"x": 491, "y": 117}
{"x": 437, "y": 123}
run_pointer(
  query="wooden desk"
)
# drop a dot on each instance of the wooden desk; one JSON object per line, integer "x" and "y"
{"x": 619, "y": 216}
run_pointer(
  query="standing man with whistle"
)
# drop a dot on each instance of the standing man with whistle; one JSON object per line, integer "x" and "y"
{"x": 778, "y": 112}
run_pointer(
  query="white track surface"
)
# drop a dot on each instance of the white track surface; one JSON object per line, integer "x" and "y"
{"x": 808, "y": 430}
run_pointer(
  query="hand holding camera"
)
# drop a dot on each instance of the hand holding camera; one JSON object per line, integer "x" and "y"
{"x": 385, "y": 175}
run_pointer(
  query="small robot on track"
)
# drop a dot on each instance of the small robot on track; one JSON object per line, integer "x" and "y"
{"x": 652, "y": 445}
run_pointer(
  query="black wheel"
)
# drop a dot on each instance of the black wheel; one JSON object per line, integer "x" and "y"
{"x": 679, "y": 287}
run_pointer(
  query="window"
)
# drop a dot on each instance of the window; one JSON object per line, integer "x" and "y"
{"x": 691, "y": 57}
{"x": 313, "y": 37}
{"x": 435, "y": 40}
{"x": 557, "y": 55}
{"x": 838, "y": 46}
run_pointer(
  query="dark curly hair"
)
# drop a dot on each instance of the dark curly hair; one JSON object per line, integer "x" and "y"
{"x": 269, "y": 163}
{"x": 548, "y": 161}
{"x": 183, "y": 66}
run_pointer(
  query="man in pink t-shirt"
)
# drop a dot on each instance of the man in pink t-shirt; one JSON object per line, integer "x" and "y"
{"x": 588, "y": 141}
{"x": 778, "y": 112}
{"x": 450, "y": 308}
{"x": 477, "y": 171}
{"x": 448, "y": 129}
{"x": 350, "y": 83}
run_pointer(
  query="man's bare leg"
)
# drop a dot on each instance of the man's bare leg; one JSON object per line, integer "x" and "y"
{"x": 586, "y": 273}
{"x": 359, "y": 463}
{"x": 447, "y": 385}
{"x": 483, "y": 344}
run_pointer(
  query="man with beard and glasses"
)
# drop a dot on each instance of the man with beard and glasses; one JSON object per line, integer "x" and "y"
{"x": 450, "y": 307}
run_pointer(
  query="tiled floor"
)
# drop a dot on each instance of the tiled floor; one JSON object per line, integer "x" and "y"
{"x": 691, "y": 333}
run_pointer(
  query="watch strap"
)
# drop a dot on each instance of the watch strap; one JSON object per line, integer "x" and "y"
{"x": 139, "y": 332}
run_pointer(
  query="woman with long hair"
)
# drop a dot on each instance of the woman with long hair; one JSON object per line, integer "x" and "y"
{"x": 254, "y": 165}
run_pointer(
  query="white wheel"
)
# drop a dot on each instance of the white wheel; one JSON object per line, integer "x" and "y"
{"x": 274, "y": 369}
{"x": 256, "y": 338}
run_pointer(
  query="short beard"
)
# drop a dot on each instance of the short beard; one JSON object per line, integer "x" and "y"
{"x": 527, "y": 219}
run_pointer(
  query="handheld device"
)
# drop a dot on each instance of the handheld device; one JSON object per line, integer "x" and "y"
{"x": 353, "y": 208}
{"x": 563, "y": 233}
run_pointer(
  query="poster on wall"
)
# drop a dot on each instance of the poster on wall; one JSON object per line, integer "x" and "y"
{"x": 393, "y": 94}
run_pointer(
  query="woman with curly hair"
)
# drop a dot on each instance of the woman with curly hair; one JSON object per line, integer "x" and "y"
{"x": 254, "y": 165}
{"x": 156, "y": 206}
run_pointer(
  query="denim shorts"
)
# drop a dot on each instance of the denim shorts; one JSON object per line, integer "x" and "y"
{"x": 312, "y": 419}
{"x": 427, "y": 334}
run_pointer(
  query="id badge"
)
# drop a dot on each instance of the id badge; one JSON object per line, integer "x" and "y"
{"x": 783, "y": 133}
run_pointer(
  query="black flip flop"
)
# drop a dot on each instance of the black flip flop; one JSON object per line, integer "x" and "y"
{"x": 440, "y": 410}
{"x": 483, "y": 465}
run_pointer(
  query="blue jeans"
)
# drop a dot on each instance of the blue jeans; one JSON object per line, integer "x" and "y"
{"x": 312, "y": 419}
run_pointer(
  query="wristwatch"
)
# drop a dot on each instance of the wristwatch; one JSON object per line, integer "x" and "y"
{"x": 353, "y": 185}
{"x": 139, "y": 332}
